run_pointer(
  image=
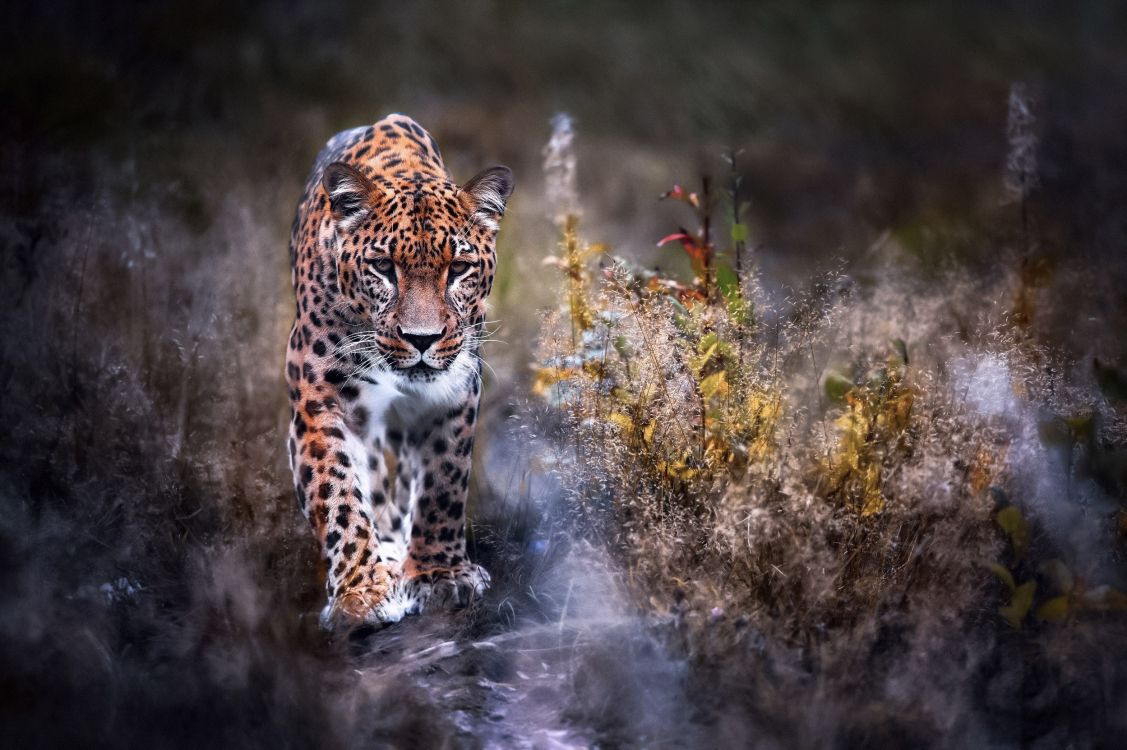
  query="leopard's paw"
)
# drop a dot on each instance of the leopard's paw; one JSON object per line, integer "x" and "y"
{"x": 433, "y": 589}
{"x": 362, "y": 602}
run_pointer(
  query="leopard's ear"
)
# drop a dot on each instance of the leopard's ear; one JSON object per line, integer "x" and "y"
{"x": 490, "y": 191}
{"x": 350, "y": 193}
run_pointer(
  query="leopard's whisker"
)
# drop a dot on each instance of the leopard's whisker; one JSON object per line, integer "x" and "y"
{"x": 376, "y": 362}
{"x": 482, "y": 361}
{"x": 362, "y": 351}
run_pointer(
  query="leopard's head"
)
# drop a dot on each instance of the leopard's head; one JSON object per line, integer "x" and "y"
{"x": 415, "y": 263}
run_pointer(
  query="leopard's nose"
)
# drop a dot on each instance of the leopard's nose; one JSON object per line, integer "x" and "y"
{"x": 421, "y": 341}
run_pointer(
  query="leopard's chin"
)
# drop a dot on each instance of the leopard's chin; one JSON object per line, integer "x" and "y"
{"x": 421, "y": 372}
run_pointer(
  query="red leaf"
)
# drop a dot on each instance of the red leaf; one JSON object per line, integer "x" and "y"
{"x": 684, "y": 237}
{"x": 676, "y": 193}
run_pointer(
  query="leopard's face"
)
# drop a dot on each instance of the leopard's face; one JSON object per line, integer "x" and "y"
{"x": 415, "y": 263}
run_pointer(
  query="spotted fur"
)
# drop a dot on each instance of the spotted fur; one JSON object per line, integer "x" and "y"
{"x": 392, "y": 264}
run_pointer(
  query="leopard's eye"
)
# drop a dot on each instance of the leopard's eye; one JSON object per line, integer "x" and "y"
{"x": 384, "y": 266}
{"x": 458, "y": 267}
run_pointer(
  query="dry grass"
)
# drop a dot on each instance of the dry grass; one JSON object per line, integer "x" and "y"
{"x": 819, "y": 488}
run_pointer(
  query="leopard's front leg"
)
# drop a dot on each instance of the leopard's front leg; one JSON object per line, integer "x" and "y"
{"x": 439, "y": 454}
{"x": 333, "y": 487}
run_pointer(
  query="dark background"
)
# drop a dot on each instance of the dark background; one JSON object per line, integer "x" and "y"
{"x": 157, "y": 581}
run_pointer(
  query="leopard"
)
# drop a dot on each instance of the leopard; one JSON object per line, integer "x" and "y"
{"x": 392, "y": 265}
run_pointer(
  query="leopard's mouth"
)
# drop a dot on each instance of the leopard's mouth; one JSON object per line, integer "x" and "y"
{"x": 420, "y": 370}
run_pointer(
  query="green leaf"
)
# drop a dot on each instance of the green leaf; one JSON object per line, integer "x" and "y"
{"x": 741, "y": 311}
{"x": 1009, "y": 519}
{"x": 714, "y": 384}
{"x": 901, "y": 349}
{"x": 707, "y": 342}
{"x": 706, "y": 356}
{"x": 622, "y": 346}
{"x": 1004, "y": 575}
{"x": 1054, "y": 610}
{"x": 836, "y": 386}
{"x": 739, "y": 232}
{"x": 1019, "y": 604}
{"x": 727, "y": 281}
{"x": 1016, "y": 527}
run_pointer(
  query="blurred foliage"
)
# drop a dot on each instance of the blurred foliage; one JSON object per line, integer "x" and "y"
{"x": 616, "y": 371}
{"x": 877, "y": 413}
{"x": 706, "y": 441}
{"x": 1065, "y": 594}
